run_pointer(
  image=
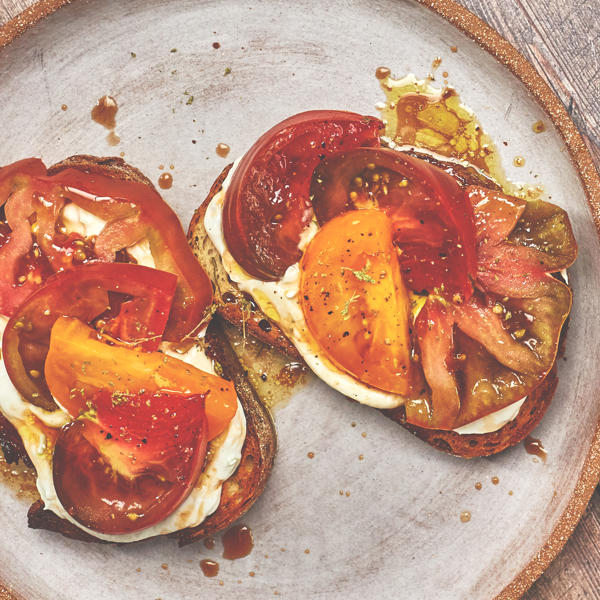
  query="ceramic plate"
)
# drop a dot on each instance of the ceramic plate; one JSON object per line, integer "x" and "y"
{"x": 397, "y": 533}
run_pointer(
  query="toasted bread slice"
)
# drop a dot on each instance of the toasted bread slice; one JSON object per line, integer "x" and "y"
{"x": 241, "y": 490}
{"x": 462, "y": 445}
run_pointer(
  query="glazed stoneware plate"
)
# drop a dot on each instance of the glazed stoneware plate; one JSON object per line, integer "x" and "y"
{"x": 188, "y": 75}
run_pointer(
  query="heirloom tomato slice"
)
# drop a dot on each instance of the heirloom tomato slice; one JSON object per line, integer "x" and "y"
{"x": 267, "y": 204}
{"x": 34, "y": 240}
{"x": 78, "y": 364}
{"x": 130, "y": 460}
{"x": 432, "y": 218}
{"x": 87, "y": 292}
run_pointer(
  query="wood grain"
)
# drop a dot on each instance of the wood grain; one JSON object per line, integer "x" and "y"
{"x": 560, "y": 38}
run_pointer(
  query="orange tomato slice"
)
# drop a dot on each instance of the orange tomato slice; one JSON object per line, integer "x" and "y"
{"x": 78, "y": 364}
{"x": 354, "y": 301}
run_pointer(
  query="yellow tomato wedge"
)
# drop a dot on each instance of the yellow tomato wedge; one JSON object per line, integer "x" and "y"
{"x": 78, "y": 364}
{"x": 354, "y": 301}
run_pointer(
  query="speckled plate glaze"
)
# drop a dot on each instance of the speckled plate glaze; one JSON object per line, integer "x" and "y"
{"x": 331, "y": 526}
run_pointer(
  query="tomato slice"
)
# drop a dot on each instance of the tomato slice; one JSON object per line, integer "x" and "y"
{"x": 131, "y": 460}
{"x": 354, "y": 301}
{"x": 78, "y": 364}
{"x": 432, "y": 216}
{"x": 135, "y": 211}
{"x": 82, "y": 292}
{"x": 507, "y": 333}
{"x": 435, "y": 334}
{"x": 267, "y": 204}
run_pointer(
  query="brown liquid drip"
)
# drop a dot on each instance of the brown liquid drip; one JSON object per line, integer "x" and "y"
{"x": 519, "y": 161}
{"x": 105, "y": 112}
{"x": 63, "y": 107}
{"x": 291, "y": 373}
{"x": 453, "y": 49}
{"x": 465, "y": 516}
{"x": 209, "y": 543}
{"x": 311, "y": 455}
{"x": 222, "y": 150}
{"x": 165, "y": 181}
{"x": 495, "y": 480}
{"x": 20, "y": 479}
{"x": 382, "y": 73}
{"x": 237, "y": 542}
{"x": 533, "y": 446}
{"x": 210, "y": 568}
{"x": 478, "y": 485}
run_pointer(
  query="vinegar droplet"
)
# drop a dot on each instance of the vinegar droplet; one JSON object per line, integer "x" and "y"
{"x": 165, "y": 181}
{"x": 222, "y": 150}
{"x": 382, "y": 73}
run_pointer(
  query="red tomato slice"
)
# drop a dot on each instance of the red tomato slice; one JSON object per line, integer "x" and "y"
{"x": 131, "y": 460}
{"x": 82, "y": 292}
{"x": 78, "y": 364}
{"x": 432, "y": 216}
{"x": 267, "y": 204}
{"x": 133, "y": 211}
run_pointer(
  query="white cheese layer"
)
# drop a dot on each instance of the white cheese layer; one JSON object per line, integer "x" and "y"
{"x": 80, "y": 221}
{"x": 493, "y": 421}
{"x": 279, "y": 300}
{"x": 202, "y": 501}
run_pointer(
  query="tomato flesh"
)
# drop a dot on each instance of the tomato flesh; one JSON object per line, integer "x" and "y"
{"x": 82, "y": 292}
{"x": 433, "y": 219}
{"x": 354, "y": 301}
{"x": 267, "y": 204}
{"x": 133, "y": 211}
{"x": 131, "y": 460}
{"x": 78, "y": 364}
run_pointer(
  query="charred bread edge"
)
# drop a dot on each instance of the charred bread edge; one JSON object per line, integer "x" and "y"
{"x": 246, "y": 484}
{"x": 462, "y": 445}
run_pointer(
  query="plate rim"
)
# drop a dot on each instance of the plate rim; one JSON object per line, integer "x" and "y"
{"x": 507, "y": 55}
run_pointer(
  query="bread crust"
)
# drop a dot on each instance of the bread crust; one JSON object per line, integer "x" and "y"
{"x": 461, "y": 445}
{"x": 241, "y": 490}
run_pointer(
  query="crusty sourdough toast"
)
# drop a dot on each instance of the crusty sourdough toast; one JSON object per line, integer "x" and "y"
{"x": 241, "y": 490}
{"x": 241, "y": 311}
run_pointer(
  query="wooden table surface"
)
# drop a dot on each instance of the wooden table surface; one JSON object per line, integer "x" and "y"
{"x": 559, "y": 38}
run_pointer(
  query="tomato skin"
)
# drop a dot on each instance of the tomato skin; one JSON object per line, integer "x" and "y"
{"x": 267, "y": 204}
{"x": 17, "y": 174}
{"x": 78, "y": 364}
{"x": 433, "y": 217}
{"x": 132, "y": 462}
{"x": 134, "y": 211}
{"x": 79, "y": 292}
